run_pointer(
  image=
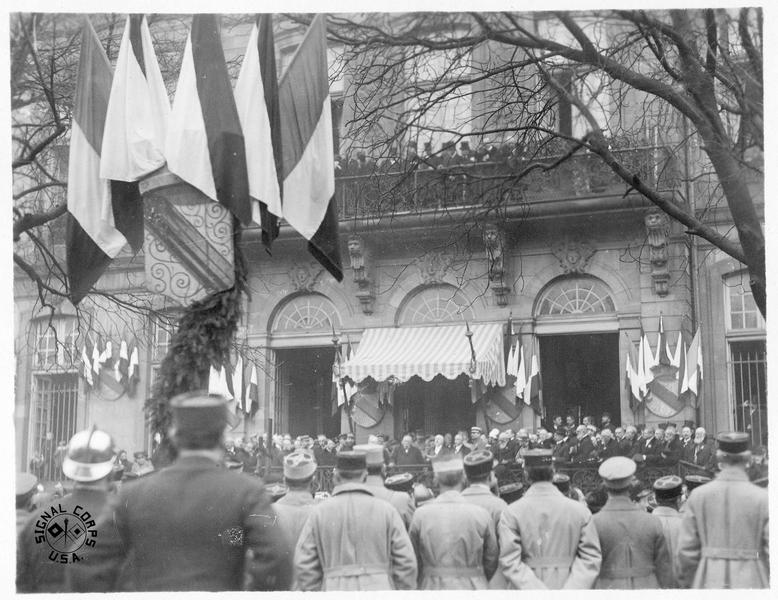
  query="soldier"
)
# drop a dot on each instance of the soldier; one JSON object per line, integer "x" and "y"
{"x": 724, "y": 530}
{"x": 454, "y": 540}
{"x": 376, "y": 470}
{"x": 547, "y": 541}
{"x": 692, "y": 482}
{"x": 634, "y": 551}
{"x": 478, "y": 469}
{"x": 293, "y": 507}
{"x": 668, "y": 492}
{"x": 562, "y": 483}
{"x": 354, "y": 541}
{"x": 26, "y": 486}
{"x": 67, "y": 525}
{"x": 192, "y": 525}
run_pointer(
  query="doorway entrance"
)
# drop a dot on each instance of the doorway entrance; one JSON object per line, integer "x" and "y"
{"x": 438, "y": 406}
{"x": 304, "y": 392}
{"x": 580, "y": 375}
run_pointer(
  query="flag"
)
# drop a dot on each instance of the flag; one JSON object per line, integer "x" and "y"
{"x": 96, "y": 354}
{"x": 646, "y": 360}
{"x": 521, "y": 377}
{"x": 532, "y": 388}
{"x": 512, "y": 366}
{"x": 693, "y": 370}
{"x": 633, "y": 378}
{"x": 252, "y": 392}
{"x": 675, "y": 356}
{"x": 138, "y": 109}
{"x": 96, "y": 227}
{"x": 237, "y": 383}
{"x": 133, "y": 375}
{"x": 346, "y": 388}
{"x": 204, "y": 142}
{"x": 256, "y": 98}
{"x": 308, "y": 155}
{"x": 106, "y": 356}
{"x": 85, "y": 353}
{"x": 122, "y": 365}
{"x": 662, "y": 357}
{"x": 217, "y": 382}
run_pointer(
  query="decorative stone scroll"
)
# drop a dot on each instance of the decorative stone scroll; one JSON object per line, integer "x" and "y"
{"x": 360, "y": 264}
{"x": 494, "y": 241}
{"x": 658, "y": 233}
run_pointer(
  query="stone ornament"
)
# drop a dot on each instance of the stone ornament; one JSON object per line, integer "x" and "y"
{"x": 573, "y": 255}
{"x": 304, "y": 276}
{"x": 658, "y": 233}
{"x": 360, "y": 259}
{"x": 433, "y": 267}
{"x": 495, "y": 248}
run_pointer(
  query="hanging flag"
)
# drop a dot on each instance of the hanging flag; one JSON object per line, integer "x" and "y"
{"x": 217, "y": 382}
{"x": 646, "y": 358}
{"x": 237, "y": 383}
{"x": 133, "y": 371}
{"x": 661, "y": 349}
{"x": 256, "y": 98}
{"x": 512, "y": 365}
{"x": 138, "y": 110}
{"x": 123, "y": 364}
{"x": 252, "y": 392}
{"x": 693, "y": 370}
{"x": 532, "y": 387}
{"x": 308, "y": 155}
{"x": 633, "y": 378}
{"x": 96, "y": 354}
{"x": 204, "y": 143}
{"x": 106, "y": 357}
{"x": 675, "y": 356}
{"x": 521, "y": 377}
{"x": 85, "y": 353}
{"x": 96, "y": 226}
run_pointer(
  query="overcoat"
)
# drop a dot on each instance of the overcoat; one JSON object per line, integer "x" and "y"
{"x": 402, "y": 501}
{"x": 724, "y": 534}
{"x": 354, "y": 541}
{"x": 548, "y": 541}
{"x": 292, "y": 510}
{"x": 634, "y": 551}
{"x": 192, "y": 526}
{"x": 671, "y": 526}
{"x": 455, "y": 544}
{"x": 480, "y": 495}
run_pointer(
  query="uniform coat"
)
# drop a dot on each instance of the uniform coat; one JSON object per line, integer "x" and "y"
{"x": 480, "y": 495}
{"x": 292, "y": 510}
{"x": 634, "y": 551}
{"x": 548, "y": 541}
{"x": 455, "y": 544}
{"x": 724, "y": 534}
{"x": 671, "y": 526}
{"x": 35, "y": 573}
{"x": 400, "y": 500}
{"x": 190, "y": 527}
{"x": 354, "y": 541}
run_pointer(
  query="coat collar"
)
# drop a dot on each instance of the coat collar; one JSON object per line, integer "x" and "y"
{"x": 620, "y": 503}
{"x": 732, "y": 474}
{"x": 449, "y": 496}
{"x": 666, "y": 511}
{"x": 194, "y": 462}
{"x": 543, "y": 488}
{"x": 345, "y": 488}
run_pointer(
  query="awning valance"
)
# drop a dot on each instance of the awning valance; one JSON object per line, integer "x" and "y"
{"x": 429, "y": 351}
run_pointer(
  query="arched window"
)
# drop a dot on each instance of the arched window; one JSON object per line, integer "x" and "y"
{"x": 435, "y": 304}
{"x": 55, "y": 343}
{"x": 576, "y": 295}
{"x": 306, "y": 313}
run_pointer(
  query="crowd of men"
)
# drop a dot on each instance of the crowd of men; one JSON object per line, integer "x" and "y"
{"x": 198, "y": 524}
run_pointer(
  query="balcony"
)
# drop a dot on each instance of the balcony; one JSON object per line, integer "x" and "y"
{"x": 491, "y": 185}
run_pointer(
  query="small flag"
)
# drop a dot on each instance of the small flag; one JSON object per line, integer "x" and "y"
{"x": 204, "y": 144}
{"x": 675, "y": 356}
{"x": 532, "y": 388}
{"x": 217, "y": 382}
{"x": 308, "y": 155}
{"x": 106, "y": 357}
{"x": 122, "y": 365}
{"x": 237, "y": 383}
{"x": 133, "y": 371}
{"x": 633, "y": 378}
{"x": 521, "y": 377}
{"x": 256, "y": 98}
{"x": 693, "y": 370}
{"x": 96, "y": 355}
{"x": 97, "y": 227}
{"x": 512, "y": 365}
{"x": 87, "y": 364}
{"x": 252, "y": 392}
{"x": 662, "y": 357}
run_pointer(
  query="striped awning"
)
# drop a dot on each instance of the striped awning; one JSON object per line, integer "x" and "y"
{"x": 429, "y": 351}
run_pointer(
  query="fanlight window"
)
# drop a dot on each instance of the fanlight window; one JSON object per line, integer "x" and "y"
{"x": 576, "y": 296}
{"x": 311, "y": 312}
{"x": 438, "y": 304}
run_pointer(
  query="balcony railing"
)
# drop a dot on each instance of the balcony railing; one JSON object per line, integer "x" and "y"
{"x": 418, "y": 190}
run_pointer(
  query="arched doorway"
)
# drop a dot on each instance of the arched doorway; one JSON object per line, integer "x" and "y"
{"x": 577, "y": 330}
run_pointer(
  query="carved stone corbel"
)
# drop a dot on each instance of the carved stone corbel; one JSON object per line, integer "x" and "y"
{"x": 360, "y": 264}
{"x": 494, "y": 241}
{"x": 658, "y": 233}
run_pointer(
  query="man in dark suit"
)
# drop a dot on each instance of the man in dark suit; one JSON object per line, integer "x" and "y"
{"x": 586, "y": 449}
{"x": 687, "y": 444}
{"x": 704, "y": 452}
{"x": 192, "y": 526}
{"x": 407, "y": 454}
{"x": 671, "y": 449}
{"x": 608, "y": 447}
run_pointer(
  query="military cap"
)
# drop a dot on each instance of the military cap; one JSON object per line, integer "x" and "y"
{"x": 761, "y": 482}
{"x": 276, "y": 491}
{"x": 562, "y": 482}
{"x": 538, "y": 457}
{"x": 374, "y": 453}
{"x": 349, "y": 460}
{"x": 299, "y": 465}
{"x": 617, "y": 472}
{"x": 199, "y": 412}
{"x": 402, "y": 482}
{"x": 25, "y": 484}
{"x": 422, "y": 494}
{"x": 89, "y": 456}
{"x": 510, "y": 492}
{"x": 669, "y": 487}
{"x": 450, "y": 463}
{"x": 734, "y": 442}
{"x": 476, "y": 429}
{"x": 478, "y": 463}
{"x": 233, "y": 465}
{"x": 695, "y": 481}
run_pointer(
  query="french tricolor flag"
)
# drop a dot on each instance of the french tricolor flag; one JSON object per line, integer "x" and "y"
{"x": 204, "y": 144}
{"x": 99, "y": 225}
{"x": 256, "y": 97}
{"x": 308, "y": 155}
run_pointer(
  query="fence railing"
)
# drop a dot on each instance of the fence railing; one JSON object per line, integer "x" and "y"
{"x": 497, "y": 184}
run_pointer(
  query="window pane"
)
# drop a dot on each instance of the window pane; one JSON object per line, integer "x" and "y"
{"x": 749, "y": 394}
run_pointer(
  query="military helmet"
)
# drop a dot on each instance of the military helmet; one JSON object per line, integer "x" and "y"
{"x": 89, "y": 455}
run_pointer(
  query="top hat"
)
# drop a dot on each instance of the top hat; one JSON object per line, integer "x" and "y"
{"x": 199, "y": 412}
{"x": 478, "y": 463}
